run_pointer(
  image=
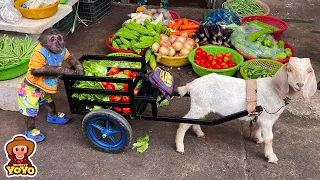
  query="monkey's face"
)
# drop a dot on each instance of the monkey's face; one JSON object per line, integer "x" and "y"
{"x": 55, "y": 43}
{"x": 20, "y": 151}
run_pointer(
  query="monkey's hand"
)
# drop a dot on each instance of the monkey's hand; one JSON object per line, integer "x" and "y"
{"x": 76, "y": 64}
{"x": 53, "y": 71}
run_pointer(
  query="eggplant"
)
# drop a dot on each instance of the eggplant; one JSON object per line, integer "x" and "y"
{"x": 208, "y": 36}
{"x": 201, "y": 31}
{"x": 198, "y": 36}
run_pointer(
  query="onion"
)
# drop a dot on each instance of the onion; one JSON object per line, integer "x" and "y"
{"x": 184, "y": 52}
{"x": 190, "y": 41}
{"x": 164, "y": 37}
{"x": 184, "y": 34}
{"x": 172, "y": 38}
{"x": 181, "y": 39}
{"x": 187, "y": 45}
{"x": 155, "y": 47}
{"x": 177, "y": 45}
{"x": 165, "y": 43}
{"x": 164, "y": 51}
{"x": 172, "y": 52}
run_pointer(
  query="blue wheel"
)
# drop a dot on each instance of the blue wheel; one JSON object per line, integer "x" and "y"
{"x": 107, "y": 130}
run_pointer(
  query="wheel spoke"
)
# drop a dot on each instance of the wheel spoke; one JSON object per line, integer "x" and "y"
{"x": 100, "y": 137}
{"x": 114, "y": 132}
{"x": 98, "y": 127}
{"x": 112, "y": 139}
{"x": 107, "y": 124}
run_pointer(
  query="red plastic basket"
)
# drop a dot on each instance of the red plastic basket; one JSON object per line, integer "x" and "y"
{"x": 286, "y": 45}
{"x": 174, "y": 15}
{"x": 283, "y": 26}
{"x": 121, "y": 50}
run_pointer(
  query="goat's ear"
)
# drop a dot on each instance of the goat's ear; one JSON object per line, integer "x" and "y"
{"x": 310, "y": 87}
{"x": 280, "y": 81}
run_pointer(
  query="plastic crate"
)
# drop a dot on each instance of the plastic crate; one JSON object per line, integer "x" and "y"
{"x": 65, "y": 24}
{"x": 94, "y": 10}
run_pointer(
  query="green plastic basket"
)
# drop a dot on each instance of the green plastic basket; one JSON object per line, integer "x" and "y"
{"x": 270, "y": 65}
{"x": 201, "y": 71}
{"x": 14, "y": 70}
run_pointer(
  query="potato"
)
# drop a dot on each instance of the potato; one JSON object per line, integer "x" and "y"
{"x": 161, "y": 11}
{"x": 167, "y": 15}
{"x": 153, "y": 11}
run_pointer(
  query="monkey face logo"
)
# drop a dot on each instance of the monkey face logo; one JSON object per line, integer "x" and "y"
{"x": 19, "y": 150}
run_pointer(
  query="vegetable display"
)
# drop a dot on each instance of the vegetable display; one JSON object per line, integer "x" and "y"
{"x": 173, "y": 46}
{"x": 244, "y": 7}
{"x": 213, "y": 34}
{"x": 178, "y": 26}
{"x": 255, "y": 72}
{"x": 220, "y": 61}
{"x": 14, "y": 50}
{"x": 99, "y": 68}
{"x": 153, "y": 15}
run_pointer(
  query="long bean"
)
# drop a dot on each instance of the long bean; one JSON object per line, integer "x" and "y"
{"x": 244, "y": 7}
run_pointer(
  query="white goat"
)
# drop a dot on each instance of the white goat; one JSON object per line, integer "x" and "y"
{"x": 227, "y": 95}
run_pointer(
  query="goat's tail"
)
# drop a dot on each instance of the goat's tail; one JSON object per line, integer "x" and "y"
{"x": 182, "y": 90}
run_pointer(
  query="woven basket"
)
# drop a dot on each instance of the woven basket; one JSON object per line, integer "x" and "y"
{"x": 271, "y": 66}
{"x": 37, "y": 13}
{"x": 263, "y": 5}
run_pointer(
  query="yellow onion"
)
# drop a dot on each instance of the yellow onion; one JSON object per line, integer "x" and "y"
{"x": 172, "y": 38}
{"x": 164, "y": 43}
{"x": 184, "y": 52}
{"x": 177, "y": 45}
{"x": 164, "y": 37}
{"x": 164, "y": 50}
{"x": 172, "y": 52}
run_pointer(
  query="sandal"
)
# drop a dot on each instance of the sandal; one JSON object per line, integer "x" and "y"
{"x": 58, "y": 119}
{"x": 35, "y": 135}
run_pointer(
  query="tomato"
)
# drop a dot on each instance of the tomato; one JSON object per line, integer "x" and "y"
{"x": 197, "y": 61}
{"x": 220, "y": 55}
{"x": 113, "y": 71}
{"x": 226, "y": 59}
{"x": 125, "y": 99}
{"x": 197, "y": 57}
{"x": 199, "y": 50}
{"x": 213, "y": 62}
{"x": 127, "y": 72}
{"x": 208, "y": 64}
{"x": 126, "y": 87}
{"x": 224, "y": 66}
{"x": 219, "y": 60}
{"x": 217, "y": 66}
{"x": 204, "y": 54}
{"x": 136, "y": 91}
{"x": 126, "y": 110}
{"x": 134, "y": 74}
{"x": 231, "y": 64}
{"x": 104, "y": 84}
{"x": 228, "y": 54}
{"x": 110, "y": 86}
{"x": 210, "y": 57}
{"x": 115, "y": 98}
{"x": 117, "y": 109}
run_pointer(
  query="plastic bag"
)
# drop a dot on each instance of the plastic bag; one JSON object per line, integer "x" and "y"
{"x": 255, "y": 49}
{"x": 10, "y": 15}
{"x": 38, "y": 3}
{"x": 4, "y": 3}
{"x": 224, "y": 17}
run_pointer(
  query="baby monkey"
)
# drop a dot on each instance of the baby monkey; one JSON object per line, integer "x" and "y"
{"x": 41, "y": 81}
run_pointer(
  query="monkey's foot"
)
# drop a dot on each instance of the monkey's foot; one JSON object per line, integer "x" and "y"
{"x": 58, "y": 119}
{"x": 35, "y": 135}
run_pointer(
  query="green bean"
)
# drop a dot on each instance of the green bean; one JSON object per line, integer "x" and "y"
{"x": 244, "y": 7}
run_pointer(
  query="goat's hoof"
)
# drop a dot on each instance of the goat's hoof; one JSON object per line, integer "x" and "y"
{"x": 202, "y": 137}
{"x": 258, "y": 140}
{"x": 276, "y": 163}
{"x": 272, "y": 159}
{"x": 182, "y": 153}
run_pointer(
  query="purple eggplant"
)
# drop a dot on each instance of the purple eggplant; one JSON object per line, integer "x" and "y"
{"x": 208, "y": 35}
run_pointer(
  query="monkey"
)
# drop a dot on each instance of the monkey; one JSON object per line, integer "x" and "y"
{"x": 19, "y": 150}
{"x": 41, "y": 81}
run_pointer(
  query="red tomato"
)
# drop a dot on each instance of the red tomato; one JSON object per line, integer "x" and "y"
{"x": 104, "y": 84}
{"x": 117, "y": 109}
{"x": 136, "y": 91}
{"x": 126, "y": 110}
{"x": 208, "y": 64}
{"x": 197, "y": 57}
{"x": 226, "y": 59}
{"x": 228, "y": 54}
{"x": 126, "y": 87}
{"x": 219, "y": 60}
{"x": 125, "y": 99}
{"x": 231, "y": 64}
{"x": 127, "y": 72}
{"x": 224, "y": 65}
{"x": 197, "y": 61}
{"x": 115, "y": 98}
{"x": 134, "y": 74}
{"x": 204, "y": 54}
{"x": 217, "y": 66}
{"x": 113, "y": 71}
{"x": 220, "y": 55}
{"x": 110, "y": 86}
{"x": 213, "y": 62}
{"x": 199, "y": 50}
{"x": 210, "y": 57}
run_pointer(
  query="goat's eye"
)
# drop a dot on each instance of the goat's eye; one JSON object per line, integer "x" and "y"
{"x": 310, "y": 71}
{"x": 289, "y": 70}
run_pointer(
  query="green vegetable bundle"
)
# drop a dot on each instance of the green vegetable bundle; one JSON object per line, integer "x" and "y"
{"x": 14, "y": 50}
{"x": 244, "y": 7}
{"x": 255, "y": 72}
{"x": 133, "y": 36}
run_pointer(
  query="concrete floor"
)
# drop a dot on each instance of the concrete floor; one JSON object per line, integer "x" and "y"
{"x": 226, "y": 153}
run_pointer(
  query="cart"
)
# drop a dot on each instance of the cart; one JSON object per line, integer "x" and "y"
{"x": 110, "y": 131}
